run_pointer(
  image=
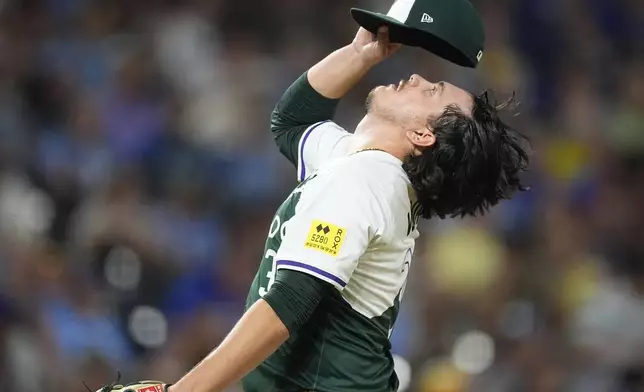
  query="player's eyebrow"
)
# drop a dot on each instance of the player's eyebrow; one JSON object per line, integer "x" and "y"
{"x": 442, "y": 86}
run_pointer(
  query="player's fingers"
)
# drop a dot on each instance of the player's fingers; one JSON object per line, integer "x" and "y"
{"x": 383, "y": 36}
{"x": 363, "y": 35}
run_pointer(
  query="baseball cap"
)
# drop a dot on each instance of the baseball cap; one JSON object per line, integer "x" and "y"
{"x": 451, "y": 29}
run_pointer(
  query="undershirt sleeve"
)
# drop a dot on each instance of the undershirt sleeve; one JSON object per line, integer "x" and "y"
{"x": 294, "y": 296}
{"x": 302, "y": 127}
{"x": 300, "y": 107}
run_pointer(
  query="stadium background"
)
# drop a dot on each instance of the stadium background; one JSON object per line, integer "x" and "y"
{"x": 138, "y": 178}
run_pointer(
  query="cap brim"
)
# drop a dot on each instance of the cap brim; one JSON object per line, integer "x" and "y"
{"x": 403, "y": 34}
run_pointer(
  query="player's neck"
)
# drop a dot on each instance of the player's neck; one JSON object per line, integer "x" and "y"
{"x": 373, "y": 135}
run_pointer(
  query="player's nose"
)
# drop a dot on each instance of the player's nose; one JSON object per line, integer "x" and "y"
{"x": 417, "y": 80}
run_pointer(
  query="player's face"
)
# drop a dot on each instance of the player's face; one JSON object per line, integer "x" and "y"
{"x": 412, "y": 102}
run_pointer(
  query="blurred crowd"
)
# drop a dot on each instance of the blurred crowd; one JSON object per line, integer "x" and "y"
{"x": 138, "y": 177}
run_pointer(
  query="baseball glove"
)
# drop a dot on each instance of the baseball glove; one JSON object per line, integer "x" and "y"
{"x": 140, "y": 386}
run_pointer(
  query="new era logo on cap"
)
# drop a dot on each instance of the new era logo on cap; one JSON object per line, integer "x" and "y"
{"x": 426, "y": 18}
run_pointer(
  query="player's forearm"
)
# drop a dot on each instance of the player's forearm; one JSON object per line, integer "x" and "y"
{"x": 338, "y": 73}
{"x": 257, "y": 335}
{"x": 313, "y": 97}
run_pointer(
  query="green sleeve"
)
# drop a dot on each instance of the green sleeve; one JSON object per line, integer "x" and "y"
{"x": 300, "y": 107}
{"x": 294, "y": 296}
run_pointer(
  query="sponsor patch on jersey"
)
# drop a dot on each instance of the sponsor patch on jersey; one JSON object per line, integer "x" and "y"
{"x": 325, "y": 237}
{"x": 151, "y": 388}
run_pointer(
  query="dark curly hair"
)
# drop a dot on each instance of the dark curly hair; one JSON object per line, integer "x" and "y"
{"x": 475, "y": 162}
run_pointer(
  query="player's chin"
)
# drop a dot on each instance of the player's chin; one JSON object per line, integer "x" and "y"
{"x": 386, "y": 87}
{"x": 380, "y": 96}
{"x": 369, "y": 102}
{"x": 379, "y": 91}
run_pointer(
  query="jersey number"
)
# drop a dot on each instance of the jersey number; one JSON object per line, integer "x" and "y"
{"x": 270, "y": 274}
{"x": 278, "y": 229}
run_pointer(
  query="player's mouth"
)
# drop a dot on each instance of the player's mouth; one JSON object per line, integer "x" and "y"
{"x": 401, "y": 85}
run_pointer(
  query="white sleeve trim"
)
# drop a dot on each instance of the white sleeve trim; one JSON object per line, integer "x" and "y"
{"x": 311, "y": 270}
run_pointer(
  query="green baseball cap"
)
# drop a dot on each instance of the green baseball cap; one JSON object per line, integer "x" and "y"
{"x": 451, "y": 29}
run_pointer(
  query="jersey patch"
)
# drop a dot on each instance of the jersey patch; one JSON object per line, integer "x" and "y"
{"x": 325, "y": 237}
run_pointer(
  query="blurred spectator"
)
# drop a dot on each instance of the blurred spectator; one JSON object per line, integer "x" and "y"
{"x": 134, "y": 111}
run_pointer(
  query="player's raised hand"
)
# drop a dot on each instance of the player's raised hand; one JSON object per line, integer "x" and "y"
{"x": 372, "y": 49}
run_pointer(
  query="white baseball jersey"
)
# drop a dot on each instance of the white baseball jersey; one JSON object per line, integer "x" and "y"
{"x": 352, "y": 223}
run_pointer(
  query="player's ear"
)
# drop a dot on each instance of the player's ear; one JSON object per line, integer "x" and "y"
{"x": 422, "y": 137}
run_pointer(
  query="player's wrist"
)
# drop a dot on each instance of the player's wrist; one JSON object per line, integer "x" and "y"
{"x": 337, "y": 73}
{"x": 362, "y": 58}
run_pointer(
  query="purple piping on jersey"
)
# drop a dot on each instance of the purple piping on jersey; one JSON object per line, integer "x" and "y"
{"x": 306, "y": 136}
{"x": 312, "y": 269}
